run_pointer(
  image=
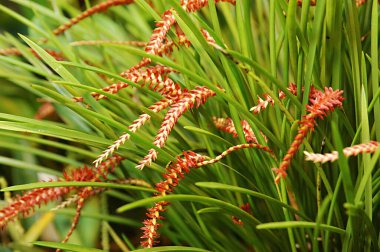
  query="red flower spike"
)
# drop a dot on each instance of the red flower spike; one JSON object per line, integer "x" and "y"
{"x": 14, "y": 51}
{"x": 192, "y": 98}
{"x": 157, "y": 107}
{"x": 322, "y": 103}
{"x": 174, "y": 173}
{"x": 25, "y": 204}
{"x": 154, "y": 77}
{"x": 227, "y": 125}
{"x": 262, "y": 104}
{"x": 159, "y": 34}
{"x": 155, "y": 44}
{"x": 95, "y": 9}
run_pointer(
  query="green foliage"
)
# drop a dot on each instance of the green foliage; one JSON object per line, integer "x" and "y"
{"x": 265, "y": 46}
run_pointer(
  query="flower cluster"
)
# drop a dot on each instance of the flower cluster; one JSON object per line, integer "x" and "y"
{"x": 155, "y": 77}
{"x": 322, "y": 103}
{"x": 194, "y": 97}
{"x": 174, "y": 173}
{"x": 292, "y": 88}
{"x": 24, "y": 205}
{"x": 180, "y": 99}
{"x": 227, "y": 125}
{"x": 355, "y": 150}
{"x": 14, "y": 51}
{"x": 95, "y": 9}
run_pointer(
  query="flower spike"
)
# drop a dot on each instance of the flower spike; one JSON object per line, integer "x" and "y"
{"x": 24, "y": 205}
{"x": 139, "y": 122}
{"x": 95, "y": 9}
{"x": 355, "y": 150}
{"x": 175, "y": 172}
{"x": 227, "y": 125}
{"x": 322, "y": 103}
{"x": 16, "y": 52}
{"x": 192, "y": 98}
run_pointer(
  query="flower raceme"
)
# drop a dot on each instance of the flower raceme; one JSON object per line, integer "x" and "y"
{"x": 91, "y": 11}
{"x": 175, "y": 172}
{"x": 137, "y": 124}
{"x": 192, "y": 98}
{"x": 321, "y": 104}
{"x": 168, "y": 20}
{"x": 25, "y": 204}
{"x": 355, "y": 150}
{"x": 292, "y": 88}
{"x": 163, "y": 26}
{"x": 182, "y": 102}
{"x": 155, "y": 77}
{"x": 227, "y": 125}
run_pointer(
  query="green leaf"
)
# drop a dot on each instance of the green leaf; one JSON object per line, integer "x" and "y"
{"x": 66, "y": 246}
{"x": 220, "y": 186}
{"x": 300, "y": 224}
{"x": 77, "y": 184}
{"x": 171, "y": 248}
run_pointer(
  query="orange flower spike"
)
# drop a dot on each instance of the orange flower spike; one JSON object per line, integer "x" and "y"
{"x": 25, "y": 204}
{"x": 137, "y": 124}
{"x": 235, "y": 148}
{"x": 195, "y": 5}
{"x": 227, "y": 125}
{"x": 263, "y": 103}
{"x": 163, "y": 26}
{"x": 174, "y": 173}
{"x": 159, "y": 33}
{"x": 192, "y": 98}
{"x": 320, "y": 106}
{"x": 95, "y": 9}
{"x": 152, "y": 76}
{"x": 16, "y": 52}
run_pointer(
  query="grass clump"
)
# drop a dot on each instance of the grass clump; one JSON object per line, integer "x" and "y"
{"x": 226, "y": 89}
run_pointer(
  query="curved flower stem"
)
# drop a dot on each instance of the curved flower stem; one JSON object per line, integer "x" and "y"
{"x": 95, "y": 9}
{"x": 174, "y": 173}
